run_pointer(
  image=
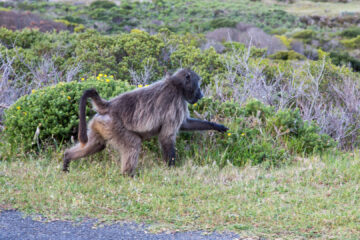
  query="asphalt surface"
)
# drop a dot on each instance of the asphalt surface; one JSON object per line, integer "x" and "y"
{"x": 13, "y": 225}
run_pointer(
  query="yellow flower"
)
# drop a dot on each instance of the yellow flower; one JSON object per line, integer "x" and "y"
{"x": 18, "y": 107}
{"x": 82, "y": 79}
{"x": 229, "y": 134}
{"x": 195, "y": 104}
{"x": 140, "y": 85}
{"x": 98, "y": 78}
{"x": 146, "y": 85}
{"x": 105, "y": 75}
{"x": 107, "y": 80}
{"x": 33, "y": 91}
{"x": 243, "y": 134}
{"x": 100, "y": 75}
{"x": 68, "y": 97}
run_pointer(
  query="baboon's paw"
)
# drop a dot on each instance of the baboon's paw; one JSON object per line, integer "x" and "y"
{"x": 221, "y": 128}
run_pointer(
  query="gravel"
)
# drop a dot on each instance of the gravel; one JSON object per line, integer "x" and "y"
{"x": 13, "y": 225}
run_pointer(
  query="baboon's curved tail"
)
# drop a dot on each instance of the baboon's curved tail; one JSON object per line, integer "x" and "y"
{"x": 101, "y": 107}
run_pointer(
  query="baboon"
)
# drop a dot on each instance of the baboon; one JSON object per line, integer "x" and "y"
{"x": 126, "y": 120}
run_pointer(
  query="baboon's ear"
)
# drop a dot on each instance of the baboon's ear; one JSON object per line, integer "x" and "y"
{"x": 167, "y": 75}
{"x": 178, "y": 81}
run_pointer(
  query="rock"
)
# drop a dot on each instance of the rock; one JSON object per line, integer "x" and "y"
{"x": 311, "y": 53}
{"x": 297, "y": 46}
{"x": 243, "y": 26}
{"x": 315, "y": 43}
{"x": 343, "y": 20}
{"x": 157, "y": 22}
{"x": 117, "y": 19}
{"x": 219, "y": 48}
{"x": 101, "y": 26}
{"x": 248, "y": 35}
{"x": 330, "y": 45}
{"x": 127, "y": 28}
{"x": 223, "y": 34}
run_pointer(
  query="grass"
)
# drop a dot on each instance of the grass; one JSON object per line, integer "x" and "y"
{"x": 331, "y": 9}
{"x": 315, "y": 197}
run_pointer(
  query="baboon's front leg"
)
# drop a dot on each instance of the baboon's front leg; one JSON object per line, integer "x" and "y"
{"x": 169, "y": 153}
{"x": 192, "y": 124}
{"x": 168, "y": 148}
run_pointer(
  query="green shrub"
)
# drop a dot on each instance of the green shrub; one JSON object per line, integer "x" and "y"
{"x": 287, "y": 55}
{"x": 240, "y": 47}
{"x": 343, "y": 58}
{"x": 286, "y": 41}
{"x": 257, "y": 109}
{"x": 222, "y": 22}
{"x": 102, "y": 4}
{"x": 257, "y": 134}
{"x": 287, "y": 122}
{"x": 206, "y": 63}
{"x": 351, "y": 32}
{"x": 99, "y": 14}
{"x": 73, "y": 19}
{"x": 54, "y": 110}
{"x": 4, "y": 9}
{"x": 24, "y": 39}
{"x": 278, "y": 31}
{"x": 304, "y": 34}
{"x": 353, "y": 43}
{"x": 310, "y": 141}
{"x": 111, "y": 54}
{"x": 79, "y": 28}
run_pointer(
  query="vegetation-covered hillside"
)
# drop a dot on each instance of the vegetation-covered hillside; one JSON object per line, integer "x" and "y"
{"x": 297, "y": 101}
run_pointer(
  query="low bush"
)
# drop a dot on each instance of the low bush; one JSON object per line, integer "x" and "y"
{"x": 54, "y": 111}
{"x": 307, "y": 34}
{"x": 352, "y": 43}
{"x": 286, "y": 41}
{"x": 222, "y": 22}
{"x": 351, "y": 32}
{"x": 343, "y": 58}
{"x": 102, "y": 4}
{"x": 257, "y": 134}
{"x": 287, "y": 55}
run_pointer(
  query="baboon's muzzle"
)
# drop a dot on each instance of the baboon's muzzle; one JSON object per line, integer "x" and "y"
{"x": 197, "y": 97}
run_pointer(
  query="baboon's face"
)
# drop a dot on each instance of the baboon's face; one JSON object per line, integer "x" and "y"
{"x": 190, "y": 84}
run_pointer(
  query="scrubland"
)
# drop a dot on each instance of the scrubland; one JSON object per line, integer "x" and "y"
{"x": 287, "y": 168}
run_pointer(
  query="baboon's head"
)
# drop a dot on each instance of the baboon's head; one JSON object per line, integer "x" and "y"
{"x": 188, "y": 82}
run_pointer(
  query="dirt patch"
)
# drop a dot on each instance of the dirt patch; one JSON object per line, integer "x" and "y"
{"x": 338, "y": 21}
{"x": 19, "y": 20}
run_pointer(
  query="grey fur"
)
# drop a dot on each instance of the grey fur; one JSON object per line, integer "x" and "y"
{"x": 125, "y": 121}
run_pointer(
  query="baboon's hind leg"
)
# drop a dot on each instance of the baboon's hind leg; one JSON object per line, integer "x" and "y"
{"x": 95, "y": 144}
